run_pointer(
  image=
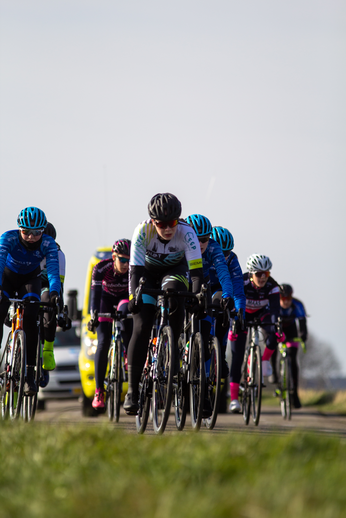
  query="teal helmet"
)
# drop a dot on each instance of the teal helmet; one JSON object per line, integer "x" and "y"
{"x": 224, "y": 238}
{"x": 32, "y": 217}
{"x": 200, "y": 224}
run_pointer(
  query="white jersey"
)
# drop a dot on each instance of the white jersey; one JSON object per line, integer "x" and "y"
{"x": 157, "y": 255}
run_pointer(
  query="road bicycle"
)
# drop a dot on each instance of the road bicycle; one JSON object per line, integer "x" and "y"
{"x": 14, "y": 403}
{"x": 189, "y": 386}
{"x": 251, "y": 379}
{"x": 285, "y": 387}
{"x": 117, "y": 366}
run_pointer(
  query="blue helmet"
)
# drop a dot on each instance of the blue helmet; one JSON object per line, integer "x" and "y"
{"x": 200, "y": 224}
{"x": 224, "y": 238}
{"x": 32, "y": 217}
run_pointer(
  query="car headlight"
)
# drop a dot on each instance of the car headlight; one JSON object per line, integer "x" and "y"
{"x": 90, "y": 346}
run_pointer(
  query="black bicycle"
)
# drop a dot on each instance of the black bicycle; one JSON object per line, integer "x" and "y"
{"x": 14, "y": 403}
{"x": 190, "y": 383}
{"x": 117, "y": 366}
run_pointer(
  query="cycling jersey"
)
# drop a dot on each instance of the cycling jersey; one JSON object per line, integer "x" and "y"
{"x": 236, "y": 278}
{"x": 259, "y": 299}
{"x": 107, "y": 286}
{"x": 62, "y": 268}
{"x": 294, "y": 320}
{"x": 158, "y": 256}
{"x": 23, "y": 259}
{"x": 213, "y": 257}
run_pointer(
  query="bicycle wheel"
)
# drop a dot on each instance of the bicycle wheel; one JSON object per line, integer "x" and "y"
{"x": 17, "y": 375}
{"x": 4, "y": 377}
{"x": 256, "y": 386}
{"x": 144, "y": 398}
{"x": 30, "y": 402}
{"x": 214, "y": 381}
{"x": 246, "y": 395}
{"x": 197, "y": 380}
{"x": 285, "y": 401}
{"x": 180, "y": 389}
{"x": 118, "y": 384}
{"x": 163, "y": 380}
{"x": 110, "y": 382}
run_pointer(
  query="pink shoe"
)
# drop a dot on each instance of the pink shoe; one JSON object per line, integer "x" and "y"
{"x": 98, "y": 401}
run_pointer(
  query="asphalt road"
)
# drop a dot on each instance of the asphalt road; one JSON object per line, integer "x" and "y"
{"x": 271, "y": 421}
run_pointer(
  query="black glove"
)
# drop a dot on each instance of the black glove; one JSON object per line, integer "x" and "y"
{"x": 55, "y": 298}
{"x": 199, "y": 311}
{"x": 227, "y": 303}
{"x": 93, "y": 324}
{"x": 133, "y": 307}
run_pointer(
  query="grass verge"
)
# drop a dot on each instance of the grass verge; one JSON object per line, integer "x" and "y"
{"x": 84, "y": 471}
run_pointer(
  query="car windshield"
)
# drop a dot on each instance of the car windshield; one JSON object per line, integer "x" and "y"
{"x": 71, "y": 337}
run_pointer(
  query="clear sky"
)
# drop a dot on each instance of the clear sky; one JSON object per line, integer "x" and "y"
{"x": 236, "y": 107}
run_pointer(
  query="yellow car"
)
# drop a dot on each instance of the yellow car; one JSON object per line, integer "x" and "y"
{"x": 88, "y": 339}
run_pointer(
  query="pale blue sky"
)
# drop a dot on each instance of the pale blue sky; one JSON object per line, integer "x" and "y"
{"x": 236, "y": 107}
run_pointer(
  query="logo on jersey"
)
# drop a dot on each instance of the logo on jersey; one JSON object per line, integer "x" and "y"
{"x": 190, "y": 240}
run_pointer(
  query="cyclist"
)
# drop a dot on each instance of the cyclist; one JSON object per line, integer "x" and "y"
{"x": 164, "y": 249}
{"x": 294, "y": 326}
{"x": 262, "y": 301}
{"x": 21, "y": 252}
{"x": 49, "y": 322}
{"x": 225, "y": 239}
{"x": 109, "y": 287}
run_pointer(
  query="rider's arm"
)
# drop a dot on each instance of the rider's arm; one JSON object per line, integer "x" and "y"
{"x": 221, "y": 268}
{"x": 274, "y": 301}
{"x": 96, "y": 286}
{"x": 238, "y": 283}
{"x": 52, "y": 262}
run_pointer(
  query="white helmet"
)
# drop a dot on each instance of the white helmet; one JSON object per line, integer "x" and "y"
{"x": 258, "y": 263}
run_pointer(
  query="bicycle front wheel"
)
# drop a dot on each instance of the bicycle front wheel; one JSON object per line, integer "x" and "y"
{"x": 214, "y": 381}
{"x": 4, "y": 379}
{"x": 245, "y": 387}
{"x": 118, "y": 385}
{"x": 285, "y": 388}
{"x": 197, "y": 381}
{"x": 256, "y": 386}
{"x": 163, "y": 380}
{"x": 144, "y": 398}
{"x": 17, "y": 375}
{"x": 110, "y": 382}
{"x": 180, "y": 389}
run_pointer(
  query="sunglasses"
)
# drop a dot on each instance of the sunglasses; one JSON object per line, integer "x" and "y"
{"x": 123, "y": 260}
{"x": 282, "y": 297}
{"x": 165, "y": 224}
{"x": 35, "y": 233}
{"x": 203, "y": 239}
{"x": 260, "y": 274}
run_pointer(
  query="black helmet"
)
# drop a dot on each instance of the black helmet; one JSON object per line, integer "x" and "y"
{"x": 50, "y": 230}
{"x": 122, "y": 246}
{"x": 164, "y": 207}
{"x": 286, "y": 290}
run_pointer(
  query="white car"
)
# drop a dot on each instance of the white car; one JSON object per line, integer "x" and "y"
{"x": 64, "y": 381}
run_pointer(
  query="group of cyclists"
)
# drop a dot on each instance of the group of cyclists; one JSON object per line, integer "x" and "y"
{"x": 169, "y": 252}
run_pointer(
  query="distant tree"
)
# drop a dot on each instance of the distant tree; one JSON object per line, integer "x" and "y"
{"x": 319, "y": 363}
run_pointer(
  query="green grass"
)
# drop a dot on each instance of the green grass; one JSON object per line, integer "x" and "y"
{"x": 325, "y": 401}
{"x": 96, "y": 471}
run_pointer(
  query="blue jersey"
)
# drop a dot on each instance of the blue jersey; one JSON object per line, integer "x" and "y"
{"x": 237, "y": 281}
{"x": 294, "y": 321}
{"x": 20, "y": 259}
{"x": 213, "y": 257}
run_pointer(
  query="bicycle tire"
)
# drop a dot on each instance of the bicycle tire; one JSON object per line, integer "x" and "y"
{"x": 163, "y": 380}
{"x": 118, "y": 384}
{"x": 110, "y": 383}
{"x": 288, "y": 394}
{"x": 30, "y": 402}
{"x": 256, "y": 388}
{"x": 213, "y": 384}
{"x": 285, "y": 400}
{"x": 180, "y": 390}
{"x": 17, "y": 375}
{"x": 4, "y": 383}
{"x": 144, "y": 398}
{"x": 197, "y": 380}
{"x": 246, "y": 395}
